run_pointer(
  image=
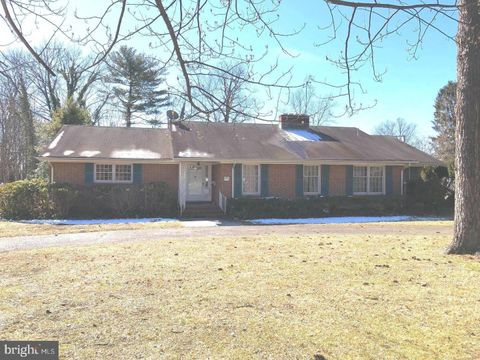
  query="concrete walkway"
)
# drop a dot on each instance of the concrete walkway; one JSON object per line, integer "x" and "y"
{"x": 215, "y": 229}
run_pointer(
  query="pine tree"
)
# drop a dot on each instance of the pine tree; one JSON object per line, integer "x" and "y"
{"x": 444, "y": 123}
{"x": 135, "y": 81}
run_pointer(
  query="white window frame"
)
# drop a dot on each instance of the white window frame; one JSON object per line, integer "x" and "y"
{"x": 319, "y": 180}
{"x": 259, "y": 179}
{"x": 368, "y": 192}
{"x": 114, "y": 180}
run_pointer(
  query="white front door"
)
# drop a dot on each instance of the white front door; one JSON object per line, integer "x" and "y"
{"x": 199, "y": 184}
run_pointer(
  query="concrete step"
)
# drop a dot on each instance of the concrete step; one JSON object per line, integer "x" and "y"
{"x": 202, "y": 210}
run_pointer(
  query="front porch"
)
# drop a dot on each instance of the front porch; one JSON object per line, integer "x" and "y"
{"x": 203, "y": 188}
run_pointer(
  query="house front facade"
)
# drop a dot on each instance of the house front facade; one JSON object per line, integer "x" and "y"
{"x": 213, "y": 162}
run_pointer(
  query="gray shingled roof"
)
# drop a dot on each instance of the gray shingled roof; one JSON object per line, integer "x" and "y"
{"x": 98, "y": 142}
{"x": 221, "y": 141}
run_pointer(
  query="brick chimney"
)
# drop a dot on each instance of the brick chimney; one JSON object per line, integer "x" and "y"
{"x": 294, "y": 121}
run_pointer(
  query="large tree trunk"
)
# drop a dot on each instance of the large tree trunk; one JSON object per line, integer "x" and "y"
{"x": 467, "y": 136}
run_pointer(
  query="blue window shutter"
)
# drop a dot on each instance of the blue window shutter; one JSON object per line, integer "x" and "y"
{"x": 137, "y": 173}
{"x": 89, "y": 173}
{"x": 349, "y": 180}
{"x": 237, "y": 180}
{"x": 389, "y": 180}
{"x": 299, "y": 181}
{"x": 264, "y": 180}
{"x": 325, "y": 173}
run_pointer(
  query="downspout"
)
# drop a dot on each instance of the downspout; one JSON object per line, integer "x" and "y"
{"x": 51, "y": 172}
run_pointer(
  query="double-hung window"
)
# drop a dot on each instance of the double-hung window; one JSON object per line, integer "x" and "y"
{"x": 251, "y": 179}
{"x": 368, "y": 180}
{"x": 311, "y": 180}
{"x": 113, "y": 173}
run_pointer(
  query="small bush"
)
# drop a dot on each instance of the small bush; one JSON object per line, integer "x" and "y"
{"x": 251, "y": 208}
{"x": 37, "y": 199}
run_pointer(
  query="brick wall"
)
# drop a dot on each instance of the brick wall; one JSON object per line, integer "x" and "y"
{"x": 73, "y": 173}
{"x": 337, "y": 179}
{"x": 219, "y": 172}
{"x": 161, "y": 172}
{"x": 281, "y": 180}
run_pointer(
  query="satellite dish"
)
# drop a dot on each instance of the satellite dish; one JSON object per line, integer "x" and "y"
{"x": 172, "y": 115}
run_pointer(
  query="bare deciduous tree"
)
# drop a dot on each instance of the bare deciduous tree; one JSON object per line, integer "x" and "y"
{"x": 306, "y": 101}
{"x": 195, "y": 35}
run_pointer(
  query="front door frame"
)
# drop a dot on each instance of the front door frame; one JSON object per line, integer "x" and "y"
{"x": 206, "y": 184}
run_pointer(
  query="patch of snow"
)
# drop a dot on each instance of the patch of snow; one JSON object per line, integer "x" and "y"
{"x": 343, "y": 220}
{"x": 97, "y": 221}
{"x": 301, "y": 135}
{"x": 54, "y": 143}
{"x": 135, "y": 154}
{"x": 89, "y": 153}
{"x": 189, "y": 153}
{"x": 68, "y": 152}
{"x": 46, "y": 154}
{"x": 200, "y": 223}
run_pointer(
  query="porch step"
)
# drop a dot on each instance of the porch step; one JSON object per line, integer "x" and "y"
{"x": 202, "y": 210}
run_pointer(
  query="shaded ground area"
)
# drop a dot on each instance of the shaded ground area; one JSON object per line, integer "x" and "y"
{"x": 344, "y": 292}
{"x": 59, "y": 235}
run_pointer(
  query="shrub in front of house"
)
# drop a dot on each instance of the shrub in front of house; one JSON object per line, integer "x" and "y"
{"x": 252, "y": 208}
{"x": 37, "y": 199}
{"x": 24, "y": 199}
{"x": 125, "y": 200}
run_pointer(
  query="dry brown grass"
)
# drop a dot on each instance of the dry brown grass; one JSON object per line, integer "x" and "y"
{"x": 342, "y": 296}
{"x": 11, "y": 228}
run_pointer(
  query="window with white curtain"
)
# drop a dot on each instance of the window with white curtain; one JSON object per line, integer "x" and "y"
{"x": 368, "y": 179}
{"x": 311, "y": 179}
{"x": 251, "y": 179}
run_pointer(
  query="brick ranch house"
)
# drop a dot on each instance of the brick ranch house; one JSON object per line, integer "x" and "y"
{"x": 213, "y": 162}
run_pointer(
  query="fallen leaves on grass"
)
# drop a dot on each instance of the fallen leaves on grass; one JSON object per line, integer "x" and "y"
{"x": 286, "y": 297}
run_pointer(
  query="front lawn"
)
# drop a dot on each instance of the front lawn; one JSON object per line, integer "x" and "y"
{"x": 343, "y": 296}
{"x": 12, "y": 228}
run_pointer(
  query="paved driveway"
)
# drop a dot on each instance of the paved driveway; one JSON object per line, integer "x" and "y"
{"x": 220, "y": 230}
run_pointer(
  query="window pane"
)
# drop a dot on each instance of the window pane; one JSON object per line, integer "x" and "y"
{"x": 376, "y": 179}
{"x": 123, "y": 173}
{"x": 310, "y": 179}
{"x": 250, "y": 179}
{"x": 359, "y": 179}
{"x": 104, "y": 172}
{"x": 359, "y": 184}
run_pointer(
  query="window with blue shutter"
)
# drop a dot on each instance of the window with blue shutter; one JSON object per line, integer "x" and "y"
{"x": 349, "y": 180}
{"x": 137, "y": 173}
{"x": 325, "y": 173}
{"x": 237, "y": 180}
{"x": 89, "y": 173}
{"x": 264, "y": 180}
{"x": 299, "y": 180}
{"x": 389, "y": 180}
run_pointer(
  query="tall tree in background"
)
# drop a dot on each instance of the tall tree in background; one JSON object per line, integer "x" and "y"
{"x": 444, "y": 123}
{"x": 399, "y": 128}
{"x": 17, "y": 133}
{"x": 306, "y": 101}
{"x": 231, "y": 98}
{"x": 135, "y": 80}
